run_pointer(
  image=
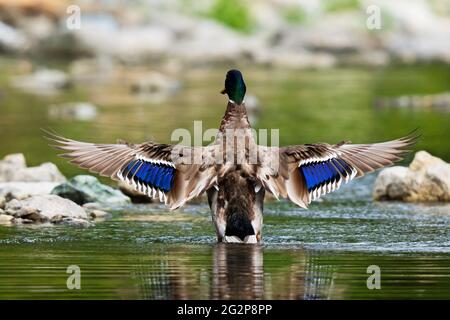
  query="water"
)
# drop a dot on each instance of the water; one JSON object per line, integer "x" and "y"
{"x": 146, "y": 252}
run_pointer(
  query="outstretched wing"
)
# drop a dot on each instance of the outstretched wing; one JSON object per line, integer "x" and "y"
{"x": 303, "y": 173}
{"x": 167, "y": 172}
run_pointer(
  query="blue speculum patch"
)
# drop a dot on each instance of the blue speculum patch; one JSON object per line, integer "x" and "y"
{"x": 320, "y": 173}
{"x": 159, "y": 176}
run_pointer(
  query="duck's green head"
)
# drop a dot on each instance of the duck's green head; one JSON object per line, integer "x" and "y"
{"x": 234, "y": 86}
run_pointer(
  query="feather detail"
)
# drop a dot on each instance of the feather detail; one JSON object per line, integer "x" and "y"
{"x": 147, "y": 167}
{"x": 317, "y": 169}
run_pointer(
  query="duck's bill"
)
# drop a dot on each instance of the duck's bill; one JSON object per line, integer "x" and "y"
{"x": 235, "y": 239}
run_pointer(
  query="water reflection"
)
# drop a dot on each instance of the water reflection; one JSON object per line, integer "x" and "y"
{"x": 238, "y": 272}
{"x": 235, "y": 272}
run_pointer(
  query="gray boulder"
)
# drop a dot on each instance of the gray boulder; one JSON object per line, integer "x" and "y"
{"x": 84, "y": 189}
{"x": 10, "y": 164}
{"x": 21, "y": 190}
{"x": 13, "y": 168}
{"x": 427, "y": 179}
{"x": 44, "y": 172}
{"x": 44, "y": 208}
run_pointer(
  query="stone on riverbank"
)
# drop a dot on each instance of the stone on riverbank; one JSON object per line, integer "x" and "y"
{"x": 84, "y": 188}
{"x": 45, "y": 208}
{"x": 13, "y": 168}
{"x": 427, "y": 179}
{"x": 98, "y": 214}
{"x": 6, "y": 219}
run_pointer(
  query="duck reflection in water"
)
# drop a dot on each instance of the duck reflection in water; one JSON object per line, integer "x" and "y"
{"x": 238, "y": 272}
{"x": 235, "y": 271}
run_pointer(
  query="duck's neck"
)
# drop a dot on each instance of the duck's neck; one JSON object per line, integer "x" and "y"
{"x": 235, "y": 117}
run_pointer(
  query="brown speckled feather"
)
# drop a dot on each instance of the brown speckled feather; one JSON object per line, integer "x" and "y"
{"x": 362, "y": 158}
{"x": 107, "y": 160}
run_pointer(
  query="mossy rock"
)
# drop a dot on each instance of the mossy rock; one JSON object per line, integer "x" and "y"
{"x": 84, "y": 189}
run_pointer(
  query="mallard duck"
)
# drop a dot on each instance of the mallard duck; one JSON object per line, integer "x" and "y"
{"x": 234, "y": 175}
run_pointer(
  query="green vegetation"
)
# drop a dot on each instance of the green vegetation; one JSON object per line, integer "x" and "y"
{"x": 233, "y": 13}
{"x": 294, "y": 15}
{"x": 341, "y": 5}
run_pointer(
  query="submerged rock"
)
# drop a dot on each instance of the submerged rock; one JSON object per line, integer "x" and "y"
{"x": 13, "y": 168}
{"x": 427, "y": 179}
{"x": 44, "y": 208}
{"x": 84, "y": 188}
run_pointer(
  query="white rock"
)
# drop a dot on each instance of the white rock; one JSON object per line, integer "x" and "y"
{"x": 426, "y": 180}
{"x": 45, "y": 172}
{"x": 128, "y": 43}
{"x": 21, "y": 190}
{"x": 13, "y": 168}
{"x": 393, "y": 183}
{"x": 10, "y": 164}
{"x": 12, "y": 39}
{"x": 42, "y": 82}
{"x": 419, "y": 33}
{"x": 209, "y": 41}
{"x": 45, "y": 208}
{"x": 16, "y": 159}
{"x": 6, "y": 219}
{"x": 423, "y": 160}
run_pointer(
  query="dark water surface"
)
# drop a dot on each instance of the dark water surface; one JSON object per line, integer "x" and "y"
{"x": 145, "y": 252}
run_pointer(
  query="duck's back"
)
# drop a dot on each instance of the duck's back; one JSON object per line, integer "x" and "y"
{"x": 236, "y": 206}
